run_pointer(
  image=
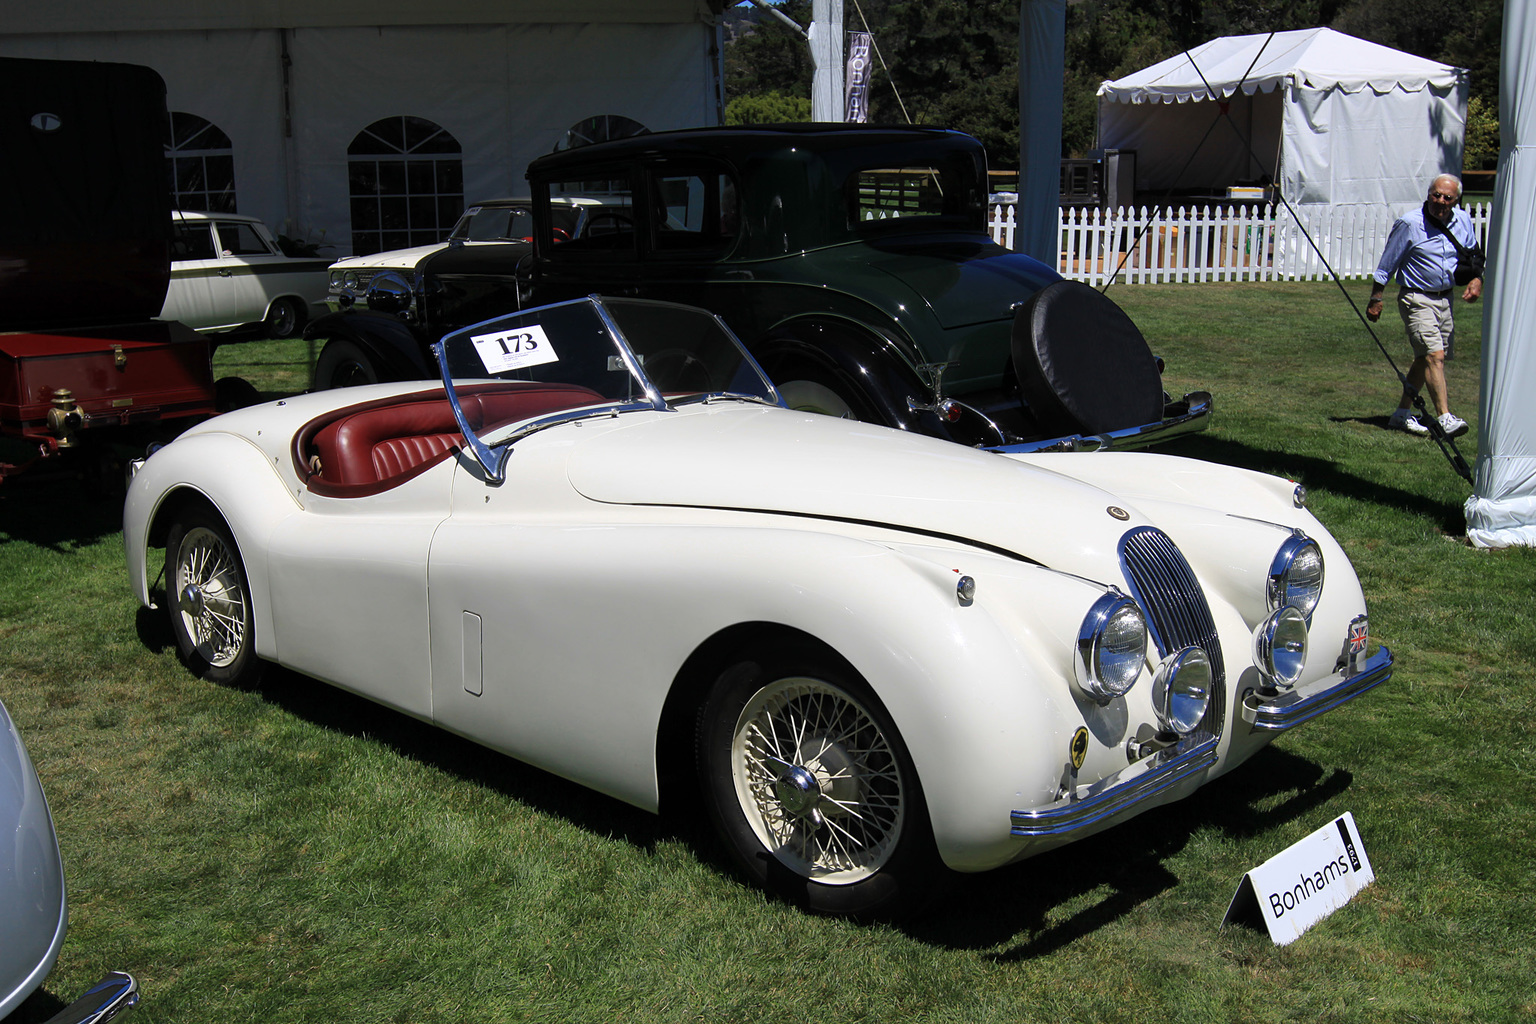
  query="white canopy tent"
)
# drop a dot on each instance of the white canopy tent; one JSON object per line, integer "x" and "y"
{"x": 1331, "y": 119}
{"x": 1502, "y": 509}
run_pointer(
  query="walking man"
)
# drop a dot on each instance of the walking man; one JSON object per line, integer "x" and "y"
{"x": 1423, "y": 258}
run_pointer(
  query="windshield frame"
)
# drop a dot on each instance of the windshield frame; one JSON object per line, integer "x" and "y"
{"x": 492, "y": 456}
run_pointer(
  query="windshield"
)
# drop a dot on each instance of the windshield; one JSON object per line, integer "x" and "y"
{"x": 602, "y": 355}
{"x": 494, "y": 224}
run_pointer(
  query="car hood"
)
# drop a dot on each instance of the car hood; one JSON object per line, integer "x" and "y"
{"x": 396, "y": 259}
{"x": 772, "y": 460}
{"x": 963, "y": 283}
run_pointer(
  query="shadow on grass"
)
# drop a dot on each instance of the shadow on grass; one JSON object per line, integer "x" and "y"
{"x": 347, "y": 713}
{"x": 1012, "y": 907}
{"x": 1325, "y": 474}
{"x": 49, "y": 508}
{"x": 976, "y": 912}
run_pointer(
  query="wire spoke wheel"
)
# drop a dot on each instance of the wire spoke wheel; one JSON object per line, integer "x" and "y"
{"x": 810, "y": 786}
{"x": 817, "y": 780}
{"x": 209, "y": 599}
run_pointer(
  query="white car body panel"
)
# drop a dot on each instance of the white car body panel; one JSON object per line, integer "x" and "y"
{"x": 226, "y": 289}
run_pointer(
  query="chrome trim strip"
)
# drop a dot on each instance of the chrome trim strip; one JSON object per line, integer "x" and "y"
{"x": 1196, "y": 419}
{"x": 1288, "y": 710}
{"x": 1114, "y": 794}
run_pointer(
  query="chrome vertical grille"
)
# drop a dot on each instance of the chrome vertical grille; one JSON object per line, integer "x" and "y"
{"x": 1177, "y": 614}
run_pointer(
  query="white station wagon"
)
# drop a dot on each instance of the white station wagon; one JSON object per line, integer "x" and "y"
{"x": 227, "y": 273}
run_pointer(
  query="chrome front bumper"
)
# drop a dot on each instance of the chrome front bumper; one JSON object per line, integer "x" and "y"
{"x": 1136, "y": 783}
{"x": 1288, "y": 710}
{"x": 1115, "y": 794}
{"x": 1194, "y": 414}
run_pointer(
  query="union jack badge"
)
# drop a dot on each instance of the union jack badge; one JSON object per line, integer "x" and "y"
{"x": 1359, "y": 639}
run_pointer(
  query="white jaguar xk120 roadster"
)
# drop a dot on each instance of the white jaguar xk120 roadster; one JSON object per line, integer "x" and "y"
{"x": 604, "y": 547}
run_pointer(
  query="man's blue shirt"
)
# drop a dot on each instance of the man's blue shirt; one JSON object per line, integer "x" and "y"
{"x": 1421, "y": 258}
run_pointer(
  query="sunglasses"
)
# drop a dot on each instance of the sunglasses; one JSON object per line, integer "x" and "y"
{"x": 1443, "y": 197}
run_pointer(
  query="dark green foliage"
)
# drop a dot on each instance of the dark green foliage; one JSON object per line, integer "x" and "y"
{"x": 955, "y": 63}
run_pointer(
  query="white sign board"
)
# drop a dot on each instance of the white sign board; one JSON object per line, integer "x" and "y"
{"x": 514, "y": 349}
{"x": 1304, "y": 883}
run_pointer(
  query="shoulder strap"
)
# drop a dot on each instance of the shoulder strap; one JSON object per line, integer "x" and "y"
{"x": 1434, "y": 225}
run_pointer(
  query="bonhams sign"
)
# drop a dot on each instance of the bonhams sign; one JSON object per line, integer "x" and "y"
{"x": 856, "y": 79}
{"x": 1303, "y": 884}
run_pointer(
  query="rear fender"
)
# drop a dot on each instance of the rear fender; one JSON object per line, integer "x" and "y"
{"x": 398, "y": 349}
{"x": 239, "y": 482}
{"x": 861, "y": 361}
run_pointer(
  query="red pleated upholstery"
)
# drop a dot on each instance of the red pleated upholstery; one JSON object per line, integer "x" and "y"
{"x": 371, "y": 447}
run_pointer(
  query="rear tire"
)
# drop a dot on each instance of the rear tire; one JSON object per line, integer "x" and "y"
{"x": 209, "y": 599}
{"x": 343, "y": 364}
{"x": 284, "y": 319}
{"x": 810, "y": 786}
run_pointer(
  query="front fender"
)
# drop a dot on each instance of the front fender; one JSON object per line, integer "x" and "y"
{"x": 399, "y": 350}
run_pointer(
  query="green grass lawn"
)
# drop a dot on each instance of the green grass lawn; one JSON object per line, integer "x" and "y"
{"x": 297, "y": 854}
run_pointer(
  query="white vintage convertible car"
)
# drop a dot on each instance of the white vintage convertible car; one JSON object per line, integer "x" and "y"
{"x": 605, "y": 547}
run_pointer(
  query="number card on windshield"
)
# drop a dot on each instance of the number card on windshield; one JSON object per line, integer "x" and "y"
{"x": 515, "y": 349}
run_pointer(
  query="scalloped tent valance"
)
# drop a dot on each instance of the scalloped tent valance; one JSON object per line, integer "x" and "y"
{"x": 1316, "y": 58}
{"x": 1329, "y": 118}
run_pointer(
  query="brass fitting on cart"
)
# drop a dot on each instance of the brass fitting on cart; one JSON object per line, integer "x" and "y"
{"x": 64, "y": 418}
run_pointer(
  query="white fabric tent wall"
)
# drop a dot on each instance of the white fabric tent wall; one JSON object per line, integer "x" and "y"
{"x": 1502, "y": 509}
{"x": 507, "y": 93}
{"x": 1334, "y": 119}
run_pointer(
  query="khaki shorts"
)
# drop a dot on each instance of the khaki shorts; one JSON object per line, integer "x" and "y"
{"x": 1431, "y": 328}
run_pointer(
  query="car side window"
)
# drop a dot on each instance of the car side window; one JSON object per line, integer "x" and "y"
{"x": 192, "y": 241}
{"x": 693, "y": 212}
{"x": 237, "y": 238}
{"x": 605, "y": 231}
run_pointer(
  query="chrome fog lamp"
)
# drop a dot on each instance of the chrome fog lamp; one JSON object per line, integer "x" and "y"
{"x": 1181, "y": 689}
{"x": 1111, "y": 647}
{"x": 1296, "y": 575}
{"x": 1280, "y": 647}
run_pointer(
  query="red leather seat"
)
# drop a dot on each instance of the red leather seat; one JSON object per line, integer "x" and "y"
{"x": 374, "y": 446}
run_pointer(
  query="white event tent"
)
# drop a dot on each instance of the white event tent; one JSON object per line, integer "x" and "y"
{"x": 1332, "y": 119}
{"x": 1502, "y": 510}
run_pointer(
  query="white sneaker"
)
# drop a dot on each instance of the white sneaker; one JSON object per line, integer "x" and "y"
{"x": 1453, "y": 425}
{"x": 1403, "y": 419}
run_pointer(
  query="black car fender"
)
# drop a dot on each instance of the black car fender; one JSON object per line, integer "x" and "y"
{"x": 860, "y": 364}
{"x": 397, "y": 349}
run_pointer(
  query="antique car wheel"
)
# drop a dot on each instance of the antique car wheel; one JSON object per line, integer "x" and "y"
{"x": 209, "y": 600}
{"x": 284, "y": 319}
{"x": 811, "y": 396}
{"x": 231, "y": 393}
{"x": 812, "y": 789}
{"x": 343, "y": 364}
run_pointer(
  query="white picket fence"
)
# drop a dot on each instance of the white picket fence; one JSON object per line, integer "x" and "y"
{"x": 1205, "y": 243}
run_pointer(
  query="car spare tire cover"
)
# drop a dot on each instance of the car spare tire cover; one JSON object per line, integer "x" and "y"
{"x": 1083, "y": 367}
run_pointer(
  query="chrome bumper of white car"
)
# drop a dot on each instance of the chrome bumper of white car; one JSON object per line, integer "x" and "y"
{"x": 1118, "y": 793}
{"x": 1115, "y": 794}
{"x": 1288, "y": 710}
{"x": 1196, "y": 417}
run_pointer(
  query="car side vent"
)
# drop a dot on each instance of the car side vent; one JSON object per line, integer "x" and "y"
{"x": 1178, "y": 616}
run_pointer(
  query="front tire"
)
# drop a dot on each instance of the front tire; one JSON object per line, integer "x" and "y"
{"x": 209, "y": 600}
{"x": 809, "y": 784}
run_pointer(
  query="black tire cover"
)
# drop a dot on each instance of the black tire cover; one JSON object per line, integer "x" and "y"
{"x": 1083, "y": 367}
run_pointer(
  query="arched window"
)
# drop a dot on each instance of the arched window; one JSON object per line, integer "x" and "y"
{"x": 407, "y": 184}
{"x": 201, "y": 163}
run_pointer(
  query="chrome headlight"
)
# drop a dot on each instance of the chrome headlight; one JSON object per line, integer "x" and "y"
{"x": 1181, "y": 689}
{"x": 1280, "y": 647}
{"x": 350, "y": 280}
{"x": 1296, "y": 575}
{"x": 1111, "y": 647}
